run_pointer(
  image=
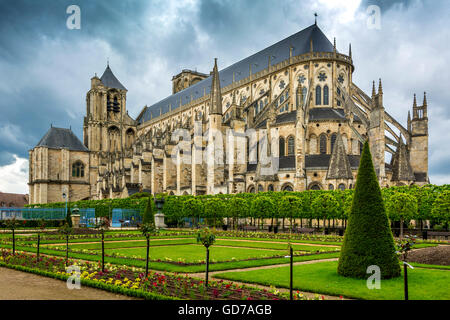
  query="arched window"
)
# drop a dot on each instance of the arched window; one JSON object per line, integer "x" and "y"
{"x": 341, "y": 186}
{"x": 318, "y": 95}
{"x": 260, "y": 188}
{"x": 287, "y": 187}
{"x": 325, "y": 95}
{"x": 330, "y": 187}
{"x": 315, "y": 186}
{"x": 251, "y": 189}
{"x": 323, "y": 143}
{"x": 281, "y": 147}
{"x": 78, "y": 169}
{"x": 333, "y": 140}
{"x": 270, "y": 187}
{"x": 291, "y": 146}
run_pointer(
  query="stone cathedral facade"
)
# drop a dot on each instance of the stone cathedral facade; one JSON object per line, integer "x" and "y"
{"x": 291, "y": 107}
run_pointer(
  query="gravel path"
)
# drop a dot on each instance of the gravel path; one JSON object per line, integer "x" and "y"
{"x": 18, "y": 285}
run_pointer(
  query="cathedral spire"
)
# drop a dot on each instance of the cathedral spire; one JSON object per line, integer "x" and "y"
{"x": 216, "y": 96}
{"x": 339, "y": 167}
{"x": 425, "y": 106}
{"x": 373, "y": 89}
{"x": 401, "y": 168}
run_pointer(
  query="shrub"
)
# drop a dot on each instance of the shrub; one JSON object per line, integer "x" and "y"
{"x": 441, "y": 208}
{"x": 368, "y": 239}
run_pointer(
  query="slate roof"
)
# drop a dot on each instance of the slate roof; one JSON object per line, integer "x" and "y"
{"x": 109, "y": 79}
{"x": 286, "y": 117}
{"x": 323, "y": 161}
{"x": 300, "y": 42}
{"x": 326, "y": 114}
{"x": 287, "y": 162}
{"x": 60, "y": 138}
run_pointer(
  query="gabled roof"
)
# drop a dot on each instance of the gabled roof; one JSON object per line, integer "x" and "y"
{"x": 60, "y": 138}
{"x": 339, "y": 167}
{"x": 109, "y": 80}
{"x": 300, "y": 43}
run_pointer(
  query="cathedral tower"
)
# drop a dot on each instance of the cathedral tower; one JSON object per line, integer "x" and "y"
{"x": 419, "y": 140}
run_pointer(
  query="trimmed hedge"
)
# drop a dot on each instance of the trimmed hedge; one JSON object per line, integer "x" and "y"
{"x": 368, "y": 239}
{"x": 176, "y": 208}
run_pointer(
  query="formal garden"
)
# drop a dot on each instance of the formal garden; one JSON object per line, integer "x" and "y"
{"x": 273, "y": 245}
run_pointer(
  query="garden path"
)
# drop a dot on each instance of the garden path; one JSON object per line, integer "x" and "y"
{"x": 18, "y": 285}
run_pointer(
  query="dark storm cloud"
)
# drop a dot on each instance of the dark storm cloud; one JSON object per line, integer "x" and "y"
{"x": 46, "y": 68}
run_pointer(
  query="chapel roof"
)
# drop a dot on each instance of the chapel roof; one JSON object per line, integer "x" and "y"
{"x": 109, "y": 79}
{"x": 300, "y": 43}
{"x": 61, "y": 138}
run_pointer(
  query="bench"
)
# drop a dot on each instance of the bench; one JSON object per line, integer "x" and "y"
{"x": 304, "y": 230}
{"x": 249, "y": 228}
{"x": 445, "y": 234}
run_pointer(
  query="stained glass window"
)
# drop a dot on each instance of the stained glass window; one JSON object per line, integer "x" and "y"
{"x": 322, "y": 76}
{"x": 291, "y": 146}
{"x": 325, "y": 95}
{"x": 301, "y": 79}
{"x": 318, "y": 95}
{"x": 341, "y": 78}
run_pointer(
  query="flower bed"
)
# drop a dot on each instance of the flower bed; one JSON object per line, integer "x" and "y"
{"x": 132, "y": 281}
{"x": 179, "y": 261}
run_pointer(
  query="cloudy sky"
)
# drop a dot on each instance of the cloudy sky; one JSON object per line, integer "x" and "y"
{"x": 45, "y": 68}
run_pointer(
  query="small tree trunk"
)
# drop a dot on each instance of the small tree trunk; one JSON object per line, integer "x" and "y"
{"x": 147, "y": 257}
{"x": 207, "y": 267}
{"x": 103, "y": 251}
{"x": 14, "y": 241}
{"x": 38, "y": 243}
{"x": 283, "y": 223}
{"x": 301, "y": 223}
{"x": 67, "y": 250}
{"x": 401, "y": 228}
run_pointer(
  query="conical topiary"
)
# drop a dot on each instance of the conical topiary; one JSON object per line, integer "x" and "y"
{"x": 148, "y": 217}
{"x": 69, "y": 216}
{"x": 368, "y": 238}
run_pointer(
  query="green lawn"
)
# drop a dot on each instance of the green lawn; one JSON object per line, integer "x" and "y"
{"x": 194, "y": 253}
{"x": 129, "y": 244}
{"x": 276, "y": 246}
{"x": 424, "y": 284}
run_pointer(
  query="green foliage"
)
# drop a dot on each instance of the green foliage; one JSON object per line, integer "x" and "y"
{"x": 149, "y": 217}
{"x": 441, "y": 208}
{"x": 206, "y": 237}
{"x": 262, "y": 207}
{"x": 290, "y": 207}
{"x": 368, "y": 238}
{"x": 325, "y": 206}
{"x": 214, "y": 210}
{"x": 69, "y": 216}
{"x": 238, "y": 208}
{"x": 401, "y": 207}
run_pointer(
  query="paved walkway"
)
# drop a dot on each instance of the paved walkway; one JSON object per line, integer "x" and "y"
{"x": 18, "y": 285}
